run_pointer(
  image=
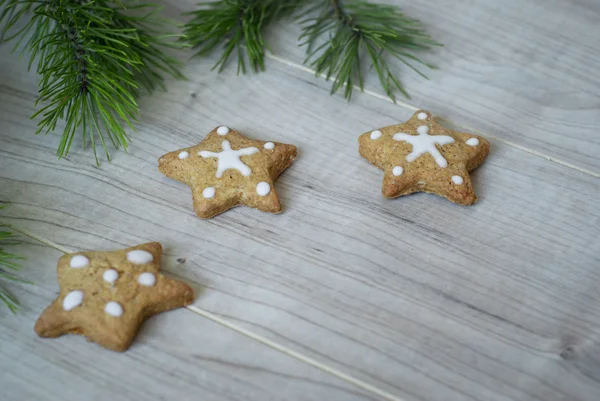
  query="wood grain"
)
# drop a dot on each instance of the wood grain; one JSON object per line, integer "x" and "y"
{"x": 524, "y": 71}
{"x": 420, "y": 297}
{"x": 175, "y": 356}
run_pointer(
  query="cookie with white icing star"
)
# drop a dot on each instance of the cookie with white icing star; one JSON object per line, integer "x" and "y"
{"x": 421, "y": 155}
{"x": 228, "y": 169}
{"x": 105, "y": 296}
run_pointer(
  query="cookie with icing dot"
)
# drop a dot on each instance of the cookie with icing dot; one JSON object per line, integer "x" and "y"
{"x": 421, "y": 155}
{"x": 228, "y": 169}
{"x": 105, "y": 296}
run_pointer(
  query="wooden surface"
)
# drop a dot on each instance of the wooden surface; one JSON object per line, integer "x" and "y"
{"x": 418, "y": 298}
{"x": 524, "y": 71}
{"x": 175, "y": 357}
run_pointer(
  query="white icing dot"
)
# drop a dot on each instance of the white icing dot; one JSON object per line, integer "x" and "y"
{"x": 457, "y": 179}
{"x": 269, "y": 145}
{"x": 113, "y": 309}
{"x": 110, "y": 276}
{"x": 423, "y": 130}
{"x": 72, "y": 300}
{"x": 263, "y": 188}
{"x": 184, "y": 155}
{"x": 209, "y": 192}
{"x": 422, "y": 116}
{"x": 398, "y": 170}
{"x": 139, "y": 257}
{"x": 147, "y": 279}
{"x": 472, "y": 142}
{"x": 79, "y": 261}
{"x": 223, "y": 130}
{"x": 376, "y": 134}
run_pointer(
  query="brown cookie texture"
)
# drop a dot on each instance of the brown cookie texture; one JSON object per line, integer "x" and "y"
{"x": 228, "y": 169}
{"x": 105, "y": 296}
{"x": 421, "y": 155}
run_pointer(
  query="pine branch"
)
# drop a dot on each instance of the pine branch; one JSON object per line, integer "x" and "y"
{"x": 93, "y": 58}
{"x": 340, "y": 36}
{"x": 236, "y": 24}
{"x": 8, "y": 266}
{"x": 356, "y": 30}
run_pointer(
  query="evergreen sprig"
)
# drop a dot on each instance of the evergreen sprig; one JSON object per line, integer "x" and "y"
{"x": 236, "y": 24}
{"x": 93, "y": 58}
{"x": 356, "y": 30}
{"x": 340, "y": 35}
{"x": 8, "y": 266}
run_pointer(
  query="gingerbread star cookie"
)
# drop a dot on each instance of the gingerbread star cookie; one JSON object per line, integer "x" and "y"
{"x": 105, "y": 296}
{"x": 228, "y": 169}
{"x": 420, "y": 155}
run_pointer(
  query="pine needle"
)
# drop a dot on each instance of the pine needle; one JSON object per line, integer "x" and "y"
{"x": 340, "y": 36}
{"x": 233, "y": 25}
{"x": 8, "y": 267}
{"x": 93, "y": 58}
{"x": 356, "y": 30}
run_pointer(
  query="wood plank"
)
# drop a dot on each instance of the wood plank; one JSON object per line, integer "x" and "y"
{"x": 521, "y": 70}
{"x": 417, "y": 296}
{"x": 177, "y": 355}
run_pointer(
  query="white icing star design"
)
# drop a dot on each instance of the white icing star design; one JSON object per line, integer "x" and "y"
{"x": 230, "y": 159}
{"x": 425, "y": 143}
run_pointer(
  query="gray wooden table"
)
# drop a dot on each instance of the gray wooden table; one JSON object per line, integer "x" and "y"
{"x": 346, "y": 295}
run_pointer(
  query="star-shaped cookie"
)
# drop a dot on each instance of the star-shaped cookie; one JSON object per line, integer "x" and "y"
{"x": 420, "y": 155}
{"x": 105, "y": 296}
{"x": 228, "y": 169}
